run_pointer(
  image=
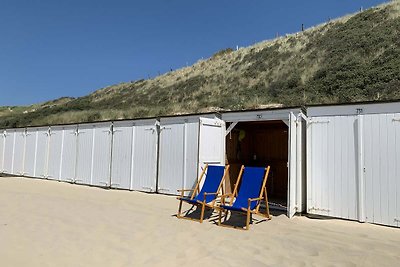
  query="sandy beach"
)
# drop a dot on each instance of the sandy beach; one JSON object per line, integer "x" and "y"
{"x": 49, "y": 223}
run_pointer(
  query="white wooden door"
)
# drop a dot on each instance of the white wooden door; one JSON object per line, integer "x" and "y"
{"x": 84, "y": 160}
{"x": 30, "y": 152}
{"x": 211, "y": 142}
{"x": 381, "y": 169}
{"x": 19, "y": 152}
{"x": 69, "y": 153}
{"x": 2, "y": 142}
{"x": 332, "y": 166}
{"x": 171, "y": 158}
{"x": 121, "y": 162}
{"x": 55, "y": 151}
{"x": 144, "y": 159}
{"x": 102, "y": 137}
{"x": 8, "y": 151}
{"x": 42, "y": 152}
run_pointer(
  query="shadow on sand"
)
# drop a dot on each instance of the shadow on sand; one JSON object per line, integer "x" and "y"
{"x": 234, "y": 219}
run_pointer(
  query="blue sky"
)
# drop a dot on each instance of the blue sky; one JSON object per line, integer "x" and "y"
{"x": 53, "y": 48}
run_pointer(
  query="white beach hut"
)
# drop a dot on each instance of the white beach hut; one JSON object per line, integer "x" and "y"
{"x": 353, "y": 167}
{"x": 274, "y": 137}
{"x": 333, "y": 160}
{"x": 134, "y": 155}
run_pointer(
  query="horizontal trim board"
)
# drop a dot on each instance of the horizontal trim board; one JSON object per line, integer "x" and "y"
{"x": 340, "y": 110}
{"x": 259, "y": 115}
{"x": 135, "y": 122}
{"x": 183, "y": 119}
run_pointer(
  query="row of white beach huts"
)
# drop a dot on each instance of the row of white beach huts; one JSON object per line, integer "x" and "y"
{"x": 340, "y": 161}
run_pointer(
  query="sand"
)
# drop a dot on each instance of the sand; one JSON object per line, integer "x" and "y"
{"x": 49, "y": 223}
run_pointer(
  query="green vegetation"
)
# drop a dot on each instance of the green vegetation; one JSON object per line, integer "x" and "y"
{"x": 355, "y": 58}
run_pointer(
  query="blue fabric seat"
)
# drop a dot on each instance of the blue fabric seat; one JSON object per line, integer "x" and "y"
{"x": 209, "y": 191}
{"x": 252, "y": 186}
{"x": 211, "y": 184}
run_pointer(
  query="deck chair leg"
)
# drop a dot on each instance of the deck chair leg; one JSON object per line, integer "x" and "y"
{"x": 219, "y": 217}
{"x": 203, "y": 206}
{"x": 180, "y": 209}
{"x": 248, "y": 219}
{"x": 266, "y": 204}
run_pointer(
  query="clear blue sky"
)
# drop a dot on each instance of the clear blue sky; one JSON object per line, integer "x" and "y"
{"x": 54, "y": 48}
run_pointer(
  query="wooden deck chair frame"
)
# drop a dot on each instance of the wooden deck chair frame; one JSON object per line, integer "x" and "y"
{"x": 203, "y": 203}
{"x": 262, "y": 197}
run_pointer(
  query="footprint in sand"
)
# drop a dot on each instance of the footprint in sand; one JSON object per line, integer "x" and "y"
{"x": 312, "y": 253}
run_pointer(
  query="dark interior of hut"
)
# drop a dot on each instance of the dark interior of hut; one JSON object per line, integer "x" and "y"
{"x": 260, "y": 144}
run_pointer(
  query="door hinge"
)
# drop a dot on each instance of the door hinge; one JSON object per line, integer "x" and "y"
{"x": 165, "y": 128}
{"x": 319, "y": 209}
{"x": 311, "y": 121}
{"x": 163, "y": 189}
{"x": 151, "y": 188}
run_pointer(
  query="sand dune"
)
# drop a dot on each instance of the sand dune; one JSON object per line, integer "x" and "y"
{"x": 47, "y": 223}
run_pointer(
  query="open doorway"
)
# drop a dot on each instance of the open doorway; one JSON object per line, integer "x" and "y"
{"x": 261, "y": 143}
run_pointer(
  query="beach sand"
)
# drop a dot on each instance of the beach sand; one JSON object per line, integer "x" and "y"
{"x": 49, "y": 223}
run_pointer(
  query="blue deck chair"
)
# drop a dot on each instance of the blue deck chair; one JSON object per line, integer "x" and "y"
{"x": 252, "y": 191}
{"x": 209, "y": 192}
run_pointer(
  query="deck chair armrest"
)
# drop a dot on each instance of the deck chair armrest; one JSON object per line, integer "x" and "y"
{"x": 252, "y": 200}
{"x": 182, "y": 191}
{"x": 255, "y": 199}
